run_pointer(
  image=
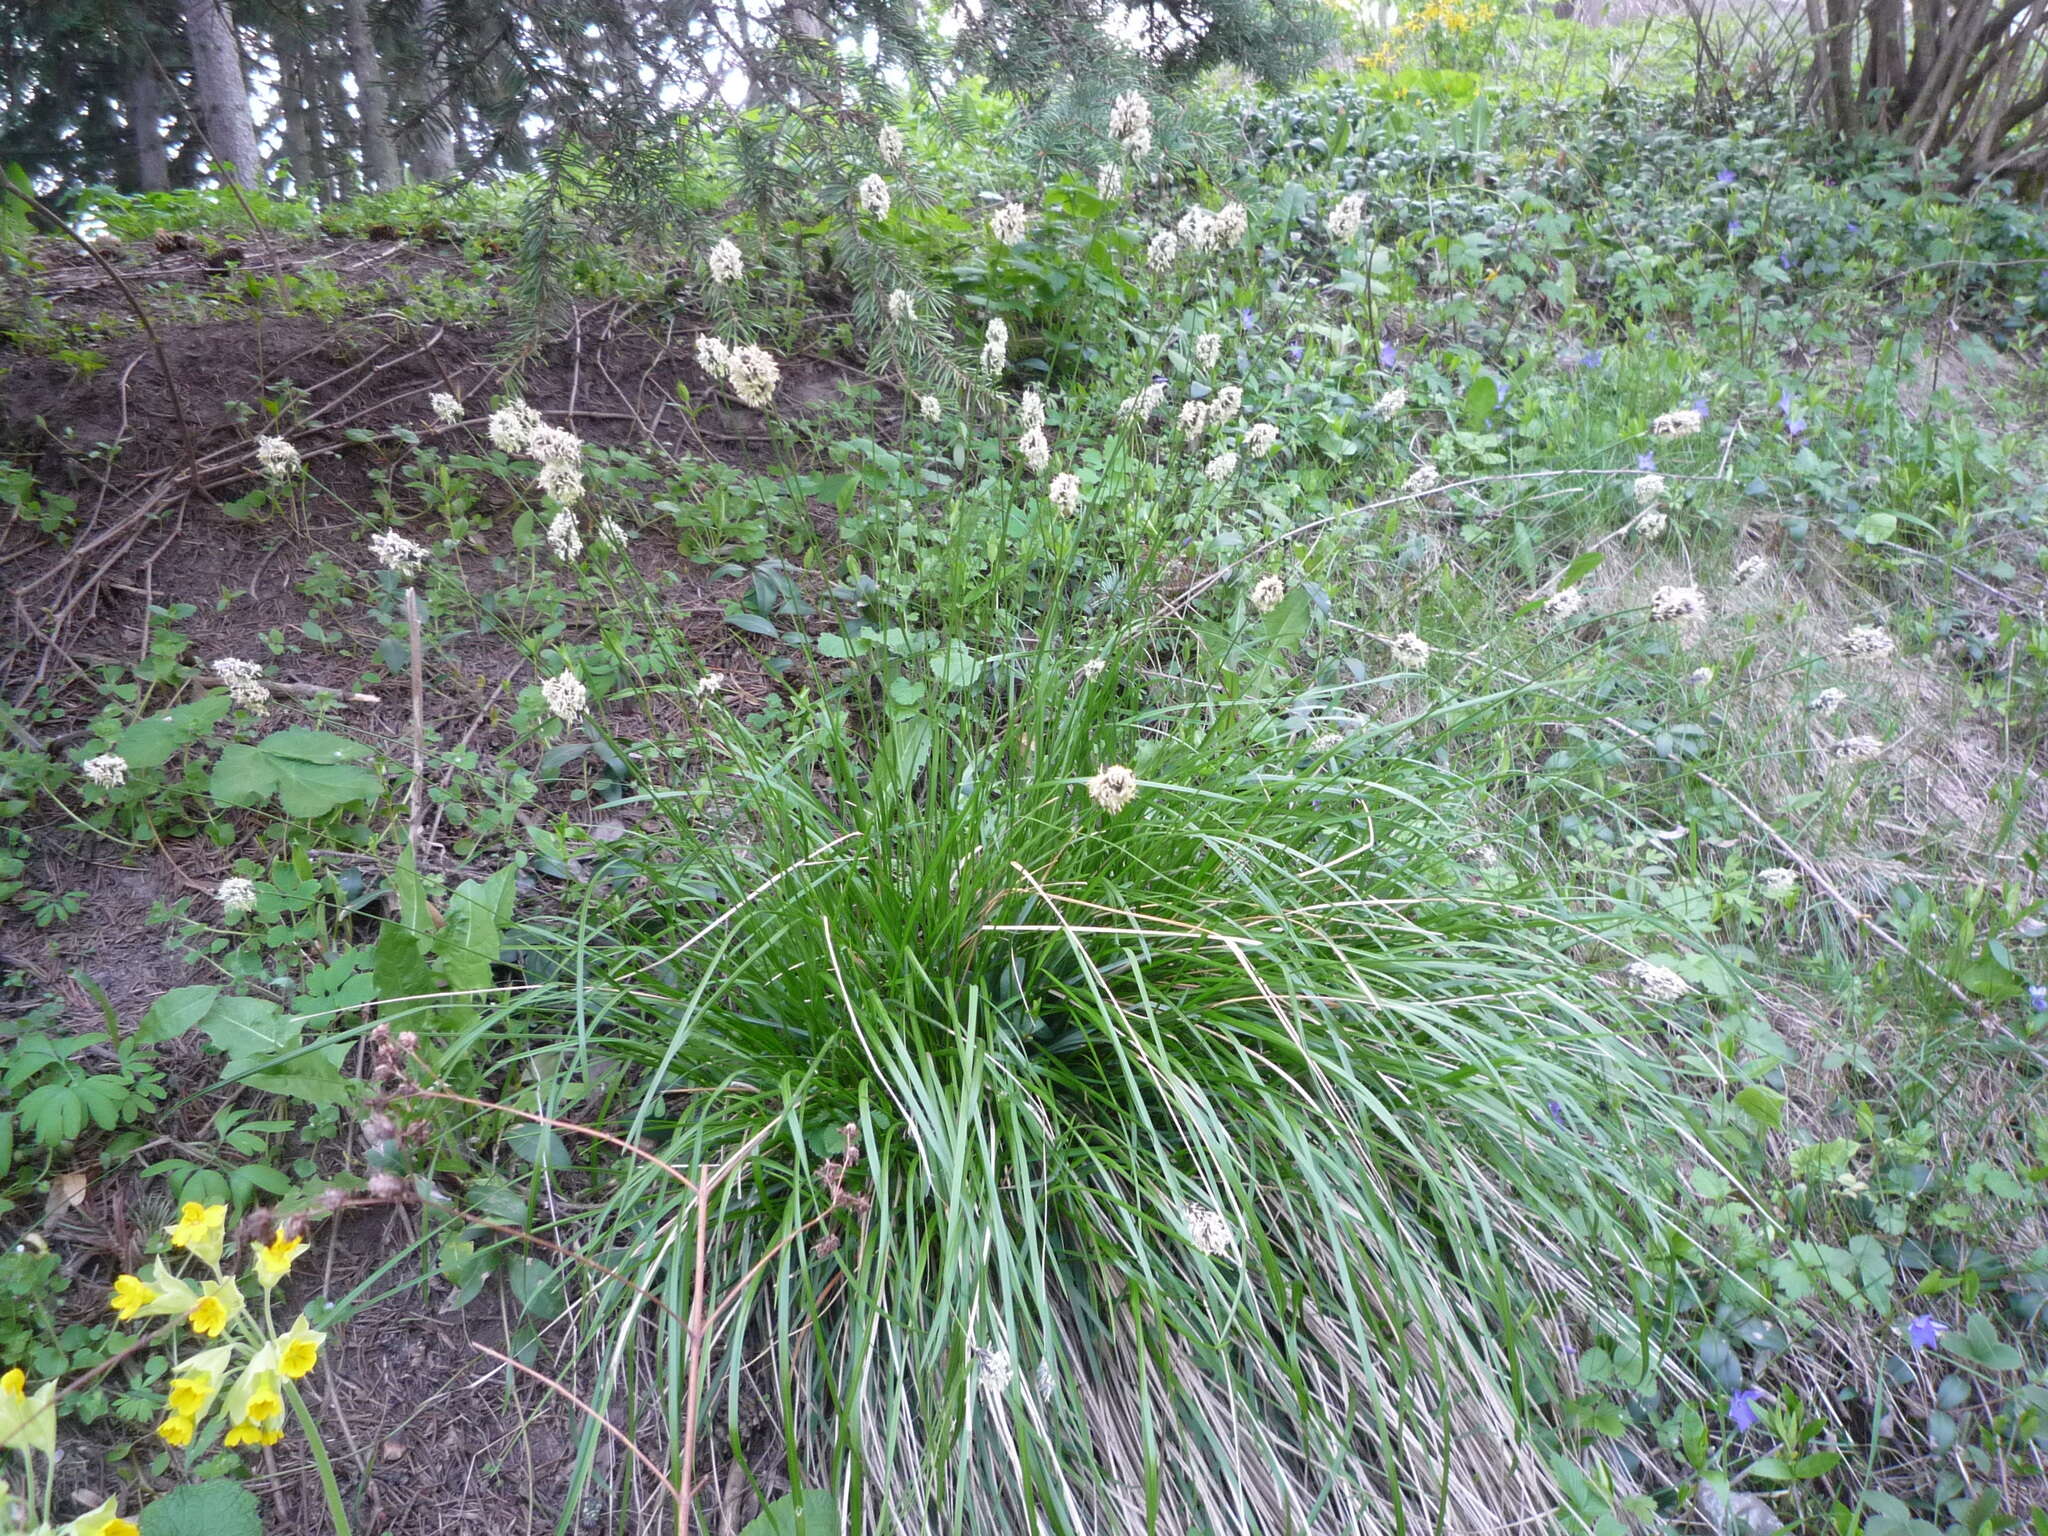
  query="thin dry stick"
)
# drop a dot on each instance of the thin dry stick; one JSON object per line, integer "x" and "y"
{"x": 417, "y": 800}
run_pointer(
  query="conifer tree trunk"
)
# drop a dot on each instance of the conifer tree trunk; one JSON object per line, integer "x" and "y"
{"x": 373, "y": 98}
{"x": 221, "y": 93}
{"x": 435, "y": 95}
{"x": 145, "y": 127}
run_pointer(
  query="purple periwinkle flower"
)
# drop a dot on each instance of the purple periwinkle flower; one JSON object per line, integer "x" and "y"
{"x": 1294, "y": 353}
{"x": 1699, "y": 403}
{"x": 1389, "y": 354}
{"x": 1726, "y": 178}
{"x": 1742, "y": 1407}
{"x": 1925, "y": 1331}
{"x": 1734, "y": 228}
{"x": 1556, "y": 1112}
{"x": 2037, "y": 999}
{"x": 1646, "y": 463}
{"x": 1796, "y": 427}
{"x": 1855, "y": 228}
{"x": 1248, "y": 318}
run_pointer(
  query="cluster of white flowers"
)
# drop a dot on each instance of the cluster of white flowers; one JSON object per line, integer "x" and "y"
{"x": 889, "y": 143}
{"x": 1162, "y": 251}
{"x": 1568, "y": 604}
{"x": 1228, "y": 402}
{"x": 554, "y": 445}
{"x": 1425, "y": 478}
{"x": 1222, "y": 467}
{"x": 1030, "y": 409}
{"x": 1208, "y": 349}
{"x": 1199, "y": 230}
{"x": 708, "y": 685}
{"x": 1232, "y": 223}
{"x": 753, "y": 376}
{"x": 874, "y": 196}
{"x": 1109, "y": 181}
{"x": 1856, "y": 749}
{"x": 446, "y": 408}
{"x": 236, "y": 895}
{"x": 1650, "y": 524}
{"x": 1668, "y": 605}
{"x": 993, "y": 1371}
{"x": 511, "y": 425}
{"x": 1777, "y": 883}
{"x": 1208, "y": 1231}
{"x": 1194, "y": 417}
{"x": 1328, "y": 741}
{"x": 561, "y": 479}
{"x": 902, "y": 306}
{"x": 1033, "y": 449}
{"x": 1268, "y": 593}
{"x": 1347, "y": 217}
{"x": 610, "y": 533}
{"x": 1093, "y": 668}
{"x": 395, "y": 552}
{"x": 109, "y": 770}
{"x": 1130, "y": 121}
{"x": 1866, "y": 642}
{"x": 563, "y": 537}
{"x": 1826, "y": 702}
{"x": 1009, "y": 223}
{"x": 565, "y": 696}
{"x": 1677, "y": 424}
{"x": 1145, "y": 401}
{"x": 1065, "y": 493}
{"x": 1260, "y": 438}
{"x": 726, "y": 263}
{"x": 242, "y": 679}
{"x": 277, "y": 458}
{"x": 1113, "y": 788}
{"x": 1699, "y": 677}
{"x": 1658, "y": 983}
{"x": 1750, "y": 569}
{"x": 1409, "y": 650}
{"x": 929, "y": 408}
{"x": 1648, "y": 489}
{"x": 1391, "y": 404}
{"x": 995, "y": 351}
{"x": 713, "y": 356}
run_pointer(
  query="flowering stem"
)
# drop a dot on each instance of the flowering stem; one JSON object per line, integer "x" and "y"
{"x": 336, "y": 1510}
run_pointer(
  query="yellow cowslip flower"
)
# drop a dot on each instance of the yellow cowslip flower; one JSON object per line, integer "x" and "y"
{"x": 176, "y": 1430}
{"x": 130, "y": 1297}
{"x": 216, "y": 1305}
{"x": 298, "y": 1349}
{"x": 200, "y": 1230}
{"x": 103, "y": 1522}
{"x": 255, "y": 1404}
{"x": 28, "y": 1420}
{"x": 274, "y": 1259}
{"x": 194, "y": 1388}
{"x": 250, "y": 1434}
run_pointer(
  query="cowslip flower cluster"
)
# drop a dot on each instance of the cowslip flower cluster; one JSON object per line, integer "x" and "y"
{"x": 726, "y": 263}
{"x": 565, "y": 540}
{"x": 109, "y": 770}
{"x": 1228, "y": 402}
{"x": 1208, "y": 349}
{"x": 929, "y": 408}
{"x": 251, "y": 1392}
{"x": 1009, "y": 223}
{"x": 396, "y": 553}
{"x": 1198, "y": 230}
{"x": 1233, "y": 223}
{"x": 754, "y": 376}
{"x": 1648, "y": 489}
{"x": 1113, "y": 788}
{"x": 1222, "y": 467}
{"x": 1033, "y": 449}
{"x": 713, "y": 356}
{"x": 1144, "y": 402}
{"x": 889, "y": 144}
{"x": 28, "y": 1424}
{"x": 1030, "y": 410}
{"x": 1682, "y": 423}
{"x": 1162, "y": 251}
{"x": 1409, "y": 650}
{"x": 278, "y": 459}
{"x": 241, "y": 679}
{"x": 1194, "y": 417}
{"x": 874, "y": 196}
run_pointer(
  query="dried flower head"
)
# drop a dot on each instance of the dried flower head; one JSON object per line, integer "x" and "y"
{"x": 1267, "y": 593}
{"x": 889, "y": 144}
{"x": 1866, "y": 642}
{"x": 1677, "y": 424}
{"x": 395, "y": 552}
{"x": 1856, "y": 749}
{"x": 1670, "y": 604}
{"x": 993, "y": 1370}
{"x": 446, "y": 408}
{"x": 902, "y": 307}
{"x": 1425, "y": 478}
{"x": 1777, "y": 883}
{"x": 1222, "y": 467}
{"x": 727, "y": 264}
{"x": 511, "y": 424}
{"x": 1093, "y": 668}
{"x": 1208, "y": 349}
{"x": 1347, "y": 217}
{"x": 713, "y": 356}
{"x": 874, "y": 196}
{"x": 995, "y": 351}
{"x": 1648, "y": 490}
{"x": 1564, "y": 605}
{"x": 1030, "y": 409}
{"x": 1162, "y": 251}
{"x": 1065, "y": 493}
{"x": 278, "y": 459}
{"x": 242, "y": 679}
{"x": 561, "y": 480}
{"x": 754, "y": 376}
{"x": 1208, "y": 1231}
{"x": 1409, "y": 650}
{"x": 1109, "y": 182}
{"x": 109, "y": 770}
{"x": 236, "y": 895}
{"x": 929, "y": 408}
{"x": 1261, "y": 438}
{"x": 1194, "y": 417}
{"x": 1658, "y": 983}
{"x": 1748, "y": 570}
{"x": 1113, "y": 788}
{"x": 1009, "y": 223}
{"x": 1826, "y": 702}
{"x": 566, "y": 697}
{"x": 1391, "y": 404}
{"x": 564, "y": 539}
{"x": 1649, "y": 525}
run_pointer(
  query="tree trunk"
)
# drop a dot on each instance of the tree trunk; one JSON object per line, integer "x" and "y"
{"x": 339, "y": 131}
{"x": 373, "y": 98}
{"x": 298, "y": 127}
{"x": 434, "y": 94}
{"x": 145, "y": 127}
{"x": 222, "y": 95}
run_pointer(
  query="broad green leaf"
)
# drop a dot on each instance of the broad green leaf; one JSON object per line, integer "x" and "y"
{"x": 302, "y": 745}
{"x": 401, "y": 971}
{"x": 809, "y": 1512}
{"x": 1764, "y": 1105}
{"x": 242, "y": 776}
{"x": 1582, "y": 566}
{"x": 313, "y": 1077}
{"x": 469, "y": 942}
{"x": 152, "y": 741}
{"x": 314, "y": 789}
{"x": 246, "y": 1027}
{"x": 217, "y": 1508}
{"x": 1481, "y": 399}
{"x": 956, "y": 666}
{"x": 174, "y": 1013}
